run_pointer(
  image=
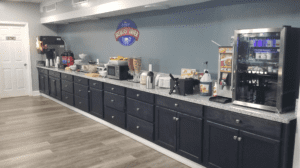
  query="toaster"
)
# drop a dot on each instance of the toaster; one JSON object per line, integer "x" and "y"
{"x": 164, "y": 82}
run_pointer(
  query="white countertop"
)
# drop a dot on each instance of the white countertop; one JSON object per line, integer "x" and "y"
{"x": 196, "y": 98}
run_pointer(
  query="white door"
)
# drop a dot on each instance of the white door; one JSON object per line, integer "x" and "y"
{"x": 13, "y": 61}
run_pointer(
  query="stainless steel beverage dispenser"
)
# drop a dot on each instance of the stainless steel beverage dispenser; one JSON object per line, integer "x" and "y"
{"x": 265, "y": 68}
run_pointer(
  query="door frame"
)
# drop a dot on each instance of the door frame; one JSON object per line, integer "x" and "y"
{"x": 27, "y": 54}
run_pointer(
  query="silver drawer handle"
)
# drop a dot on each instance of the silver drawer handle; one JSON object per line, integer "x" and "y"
{"x": 174, "y": 118}
{"x": 112, "y": 100}
{"x": 137, "y": 109}
{"x": 112, "y": 116}
{"x": 234, "y": 137}
{"x": 239, "y": 138}
{"x": 177, "y": 119}
{"x": 137, "y": 127}
{"x": 112, "y": 88}
{"x": 176, "y": 105}
{"x": 79, "y": 102}
{"x": 238, "y": 121}
{"x": 137, "y": 95}
{"x": 94, "y": 84}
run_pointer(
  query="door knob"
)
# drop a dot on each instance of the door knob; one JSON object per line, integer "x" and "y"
{"x": 176, "y": 105}
{"x": 79, "y": 102}
{"x": 94, "y": 84}
{"x": 112, "y": 100}
{"x": 238, "y": 121}
{"x": 66, "y": 85}
{"x": 137, "y": 95}
{"x": 79, "y": 90}
{"x": 66, "y": 97}
{"x": 239, "y": 138}
{"x": 79, "y": 80}
{"x": 112, "y": 88}
{"x": 137, "y": 127}
{"x": 177, "y": 119}
{"x": 137, "y": 109}
{"x": 89, "y": 91}
{"x": 25, "y": 64}
{"x": 174, "y": 118}
{"x": 234, "y": 137}
{"x": 112, "y": 116}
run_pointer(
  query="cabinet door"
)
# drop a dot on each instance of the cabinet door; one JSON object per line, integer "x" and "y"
{"x": 165, "y": 128}
{"x": 189, "y": 137}
{"x": 41, "y": 83}
{"x": 46, "y": 82}
{"x": 221, "y": 146}
{"x": 258, "y": 151}
{"x": 96, "y": 102}
{"x": 55, "y": 88}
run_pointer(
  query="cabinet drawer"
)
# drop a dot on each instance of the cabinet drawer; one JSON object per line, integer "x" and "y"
{"x": 96, "y": 84}
{"x": 81, "y": 91}
{"x": 139, "y": 95}
{"x": 54, "y": 74}
{"x": 114, "y": 89}
{"x": 141, "y": 110}
{"x": 43, "y": 71}
{"x": 82, "y": 103}
{"x": 67, "y": 98}
{"x": 67, "y": 77}
{"x": 251, "y": 124}
{"x": 140, "y": 127}
{"x": 114, "y": 116}
{"x": 80, "y": 80}
{"x": 195, "y": 110}
{"x": 67, "y": 86}
{"x": 114, "y": 101}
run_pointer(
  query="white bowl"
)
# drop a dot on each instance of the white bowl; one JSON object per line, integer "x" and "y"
{"x": 82, "y": 56}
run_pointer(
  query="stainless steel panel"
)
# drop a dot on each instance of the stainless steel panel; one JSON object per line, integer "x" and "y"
{"x": 258, "y": 106}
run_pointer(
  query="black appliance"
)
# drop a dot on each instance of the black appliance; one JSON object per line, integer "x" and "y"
{"x": 182, "y": 86}
{"x": 119, "y": 72}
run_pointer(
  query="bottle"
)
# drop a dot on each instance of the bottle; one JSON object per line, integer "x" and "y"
{"x": 150, "y": 84}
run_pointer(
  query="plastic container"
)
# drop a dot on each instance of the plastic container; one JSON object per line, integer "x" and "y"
{"x": 206, "y": 84}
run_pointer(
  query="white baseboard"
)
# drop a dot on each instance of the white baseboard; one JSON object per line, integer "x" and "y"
{"x": 133, "y": 136}
{"x": 35, "y": 93}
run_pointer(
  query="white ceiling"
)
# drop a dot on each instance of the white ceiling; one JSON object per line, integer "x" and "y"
{"x": 33, "y": 1}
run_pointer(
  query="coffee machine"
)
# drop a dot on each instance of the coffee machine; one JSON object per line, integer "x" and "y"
{"x": 52, "y": 46}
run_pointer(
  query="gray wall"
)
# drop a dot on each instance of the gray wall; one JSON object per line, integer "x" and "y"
{"x": 179, "y": 37}
{"x": 30, "y": 13}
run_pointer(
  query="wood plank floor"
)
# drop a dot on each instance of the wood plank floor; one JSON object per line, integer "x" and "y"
{"x": 37, "y": 132}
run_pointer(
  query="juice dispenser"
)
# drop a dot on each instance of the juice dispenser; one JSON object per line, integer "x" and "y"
{"x": 224, "y": 87}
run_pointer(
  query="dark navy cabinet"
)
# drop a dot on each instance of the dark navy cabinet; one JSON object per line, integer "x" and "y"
{"x": 96, "y": 102}
{"x": 179, "y": 132}
{"x": 209, "y": 136}
{"x": 55, "y": 88}
{"x": 165, "y": 128}
{"x": 221, "y": 147}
